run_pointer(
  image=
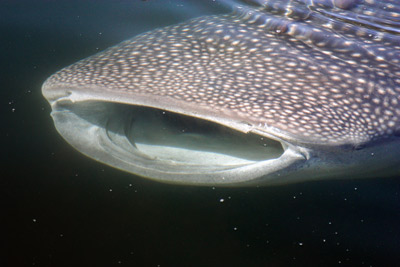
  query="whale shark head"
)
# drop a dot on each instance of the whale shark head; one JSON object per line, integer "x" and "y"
{"x": 272, "y": 93}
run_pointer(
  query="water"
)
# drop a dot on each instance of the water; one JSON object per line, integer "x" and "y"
{"x": 64, "y": 209}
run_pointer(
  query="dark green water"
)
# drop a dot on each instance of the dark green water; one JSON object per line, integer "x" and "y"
{"x": 63, "y": 209}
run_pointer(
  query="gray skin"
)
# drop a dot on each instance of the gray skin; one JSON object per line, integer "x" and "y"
{"x": 275, "y": 92}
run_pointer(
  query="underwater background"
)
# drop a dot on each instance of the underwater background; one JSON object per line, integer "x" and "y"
{"x": 64, "y": 209}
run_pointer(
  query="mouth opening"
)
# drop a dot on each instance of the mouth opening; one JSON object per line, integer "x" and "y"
{"x": 156, "y": 143}
{"x": 181, "y": 139}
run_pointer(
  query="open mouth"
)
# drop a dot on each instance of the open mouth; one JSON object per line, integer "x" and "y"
{"x": 173, "y": 138}
{"x": 178, "y": 139}
{"x": 156, "y": 144}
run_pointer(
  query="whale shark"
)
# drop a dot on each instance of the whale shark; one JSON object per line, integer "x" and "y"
{"x": 274, "y": 92}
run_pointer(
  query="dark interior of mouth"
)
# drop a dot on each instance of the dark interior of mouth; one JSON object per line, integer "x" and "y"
{"x": 174, "y": 138}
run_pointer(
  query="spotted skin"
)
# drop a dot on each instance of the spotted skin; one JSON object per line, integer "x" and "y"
{"x": 313, "y": 73}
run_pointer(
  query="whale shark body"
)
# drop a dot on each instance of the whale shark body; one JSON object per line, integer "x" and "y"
{"x": 273, "y": 93}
